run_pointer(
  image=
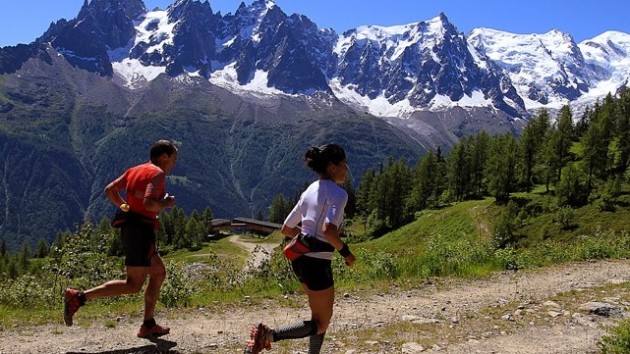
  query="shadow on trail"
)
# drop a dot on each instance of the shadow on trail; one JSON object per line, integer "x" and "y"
{"x": 161, "y": 346}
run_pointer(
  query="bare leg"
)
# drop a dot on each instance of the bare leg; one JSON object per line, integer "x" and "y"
{"x": 321, "y": 304}
{"x": 157, "y": 274}
{"x": 135, "y": 279}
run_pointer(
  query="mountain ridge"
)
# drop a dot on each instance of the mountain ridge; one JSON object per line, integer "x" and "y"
{"x": 387, "y": 71}
{"x": 256, "y": 37}
{"x": 243, "y": 95}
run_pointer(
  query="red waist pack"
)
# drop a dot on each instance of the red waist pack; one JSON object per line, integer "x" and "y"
{"x": 297, "y": 247}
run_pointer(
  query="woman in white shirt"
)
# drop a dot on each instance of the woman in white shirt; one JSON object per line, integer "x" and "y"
{"x": 318, "y": 216}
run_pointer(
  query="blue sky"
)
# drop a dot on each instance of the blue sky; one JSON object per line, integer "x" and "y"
{"x": 21, "y": 21}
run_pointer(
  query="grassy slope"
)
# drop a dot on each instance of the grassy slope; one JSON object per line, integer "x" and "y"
{"x": 456, "y": 239}
{"x": 475, "y": 220}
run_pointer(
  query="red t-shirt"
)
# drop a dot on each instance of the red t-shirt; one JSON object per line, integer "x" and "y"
{"x": 142, "y": 181}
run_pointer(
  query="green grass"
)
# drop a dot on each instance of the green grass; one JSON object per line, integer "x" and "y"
{"x": 451, "y": 241}
{"x": 212, "y": 252}
{"x": 456, "y": 240}
{"x": 466, "y": 219}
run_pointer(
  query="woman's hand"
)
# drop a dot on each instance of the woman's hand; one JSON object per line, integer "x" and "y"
{"x": 350, "y": 260}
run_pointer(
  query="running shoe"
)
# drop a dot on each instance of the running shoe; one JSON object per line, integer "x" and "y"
{"x": 71, "y": 304}
{"x": 260, "y": 338}
{"x": 155, "y": 331}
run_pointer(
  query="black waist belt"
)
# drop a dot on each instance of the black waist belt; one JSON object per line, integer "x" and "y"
{"x": 317, "y": 245}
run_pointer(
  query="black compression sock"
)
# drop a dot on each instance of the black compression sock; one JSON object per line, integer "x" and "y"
{"x": 150, "y": 323}
{"x": 315, "y": 343}
{"x": 82, "y": 298}
{"x": 296, "y": 330}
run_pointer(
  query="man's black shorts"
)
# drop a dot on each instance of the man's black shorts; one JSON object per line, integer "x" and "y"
{"x": 314, "y": 272}
{"x": 138, "y": 242}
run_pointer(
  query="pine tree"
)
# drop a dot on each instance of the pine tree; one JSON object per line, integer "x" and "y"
{"x": 42, "y": 249}
{"x": 3, "y": 248}
{"x": 556, "y": 151}
{"x": 12, "y": 268}
{"x": 166, "y": 233}
{"x": 441, "y": 172}
{"x": 180, "y": 240}
{"x": 351, "y": 205}
{"x": 501, "y": 167}
{"x": 458, "y": 172}
{"x": 194, "y": 234}
{"x": 277, "y": 209}
{"x": 595, "y": 150}
{"x": 478, "y": 157}
{"x": 531, "y": 146}
{"x": 25, "y": 256}
{"x": 423, "y": 185}
{"x": 399, "y": 179}
{"x": 364, "y": 204}
{"x": 572, "y": 189}
{"x": 622, "y": 134}
{"x": 206, "y": 218}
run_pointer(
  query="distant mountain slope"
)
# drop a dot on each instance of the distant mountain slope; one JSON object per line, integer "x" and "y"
{"x": 246, "y": 92}
{"x": 78, "y": 130}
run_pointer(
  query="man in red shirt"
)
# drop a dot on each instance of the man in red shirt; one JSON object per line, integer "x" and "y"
{"x": 145, "y": 198}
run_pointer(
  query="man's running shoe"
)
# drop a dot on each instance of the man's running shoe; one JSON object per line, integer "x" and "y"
{"x": 155, "y": 331}
{"x": 71, "y": 305}
{"x": 260, "y": 338}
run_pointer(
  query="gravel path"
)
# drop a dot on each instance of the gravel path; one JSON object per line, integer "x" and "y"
{"x": 527, "y": 312}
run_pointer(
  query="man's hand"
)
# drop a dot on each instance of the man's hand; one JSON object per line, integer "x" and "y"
{"x": 168, "y": 201}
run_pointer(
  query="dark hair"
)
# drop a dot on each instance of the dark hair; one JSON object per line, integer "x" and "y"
{"x": 317, "y": 158}
{"x": 161, "y": 147}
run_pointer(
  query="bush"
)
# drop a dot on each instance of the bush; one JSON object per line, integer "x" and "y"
{"x": 573, "y": 188}
{"x": 618, "y": 341}
{"x": 565, "y": 216}
{"x": 177, "y": 290}
{"x": 28, "y": 292}
{"x": 504, "y": 231}
{"x": 277, "y": 270}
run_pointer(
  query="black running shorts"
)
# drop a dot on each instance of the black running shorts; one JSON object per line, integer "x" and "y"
{"x": 314, "y": 272}
{"x": 138, "y": 242}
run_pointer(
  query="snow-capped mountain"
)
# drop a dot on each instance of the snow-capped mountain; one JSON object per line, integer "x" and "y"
{"x": 420, "y": 66}
{"x": 387, "y": 71}
{"x": 550, "y": 70}
{"x": 608, "y": 60}
{"x": 243, "y": 92}
{"x": 547, "y": 70}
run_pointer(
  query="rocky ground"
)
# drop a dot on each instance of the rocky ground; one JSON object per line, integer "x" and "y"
{"x": 560, "y": 309}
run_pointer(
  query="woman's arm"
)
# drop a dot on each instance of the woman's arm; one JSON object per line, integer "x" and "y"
{"x": 331, "y": 232}
{"x": 290, "y": 232}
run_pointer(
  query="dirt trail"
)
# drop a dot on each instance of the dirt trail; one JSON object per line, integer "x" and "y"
{"x": 259, "y": 252}
{"x": 459, "y": 316}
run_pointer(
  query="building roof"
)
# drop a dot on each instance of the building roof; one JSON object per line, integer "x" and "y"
{"x": 257, "y": 222}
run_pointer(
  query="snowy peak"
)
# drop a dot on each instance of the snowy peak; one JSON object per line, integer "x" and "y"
{"x": 112, "y": 20}
{"x": 548, "y": 70}
{"x": 100, "y": 26}
{"x": 608, "y": 59}
{"x": 389, "y": 71}
{"x": 131, "y": 9}
{"x": 423, "y": 65}
{"x": 611, "y": 46}
{"x": 189, "y": 9}
{"x": 396, "y": 39}
{"x": 251, "y": 22}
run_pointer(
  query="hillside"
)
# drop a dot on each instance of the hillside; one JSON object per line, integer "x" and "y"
{"x": 236, "y": 153}
{"x": 245, "y": 93}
